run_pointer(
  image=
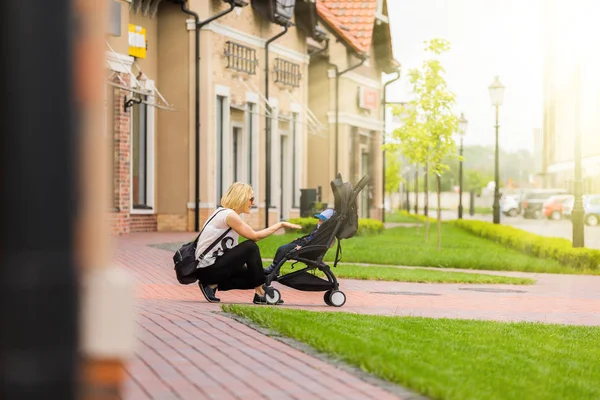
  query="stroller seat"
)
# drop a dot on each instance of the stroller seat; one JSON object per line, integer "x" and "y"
{"x": 342, "y": 225}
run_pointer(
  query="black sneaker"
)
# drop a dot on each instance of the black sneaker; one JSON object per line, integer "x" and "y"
{"x": 209, "y": 293}
{"x": 259, "y": 299}
{"x": 263, "y": 300}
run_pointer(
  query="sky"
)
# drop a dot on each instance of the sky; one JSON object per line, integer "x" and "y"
{"x": 488, "y": 38}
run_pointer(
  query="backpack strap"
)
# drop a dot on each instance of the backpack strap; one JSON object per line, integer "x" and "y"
{"x": 205, "y": 225}
{"x": 209, "y": 248}
{"x": 213, "y": 244}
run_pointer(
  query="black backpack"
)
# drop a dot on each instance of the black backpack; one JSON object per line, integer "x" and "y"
{"x": 185, "y": 258}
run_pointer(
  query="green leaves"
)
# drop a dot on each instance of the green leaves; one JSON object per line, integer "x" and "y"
{"x": 426, "y": 135}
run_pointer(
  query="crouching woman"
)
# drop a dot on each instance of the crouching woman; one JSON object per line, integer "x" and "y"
{"x": 228, "y": 265}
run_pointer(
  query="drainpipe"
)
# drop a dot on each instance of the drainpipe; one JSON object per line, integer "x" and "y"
{"x": 384, "y": 133}
{"x": 337, "y": 104}
{"x": 199, "y": 24}
{"x": 268, "y": 127}
{"x": 324, "y": 49}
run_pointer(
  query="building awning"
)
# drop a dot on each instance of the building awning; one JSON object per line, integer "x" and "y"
{"x": 313, "y": 124}
{"x": 140, "y": 84}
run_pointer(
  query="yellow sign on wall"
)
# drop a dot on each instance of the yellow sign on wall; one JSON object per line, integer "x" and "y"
{"x": 137, "y": 41}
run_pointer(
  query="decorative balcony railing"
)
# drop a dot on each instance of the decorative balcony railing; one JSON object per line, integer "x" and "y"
{"x": 241, "y": 58}
{"x": 287, "y": 73}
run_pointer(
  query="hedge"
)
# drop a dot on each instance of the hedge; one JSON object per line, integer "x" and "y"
{"x": 366, "y": 226}
{"x": 557, "y": 249}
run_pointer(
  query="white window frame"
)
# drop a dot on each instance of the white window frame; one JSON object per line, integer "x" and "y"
{"x": 298, "y": 151}
{"x": 275, "y": 160}
{"x": 150, "y": 154}
{"x": 285, "y": 185}
{"x": 242, "y": 153}
{"x": 253, "y": 98}
{"x": 225, "y": 92}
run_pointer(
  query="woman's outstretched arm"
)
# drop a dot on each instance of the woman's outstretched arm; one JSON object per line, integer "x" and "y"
{"x": 245, "y": 230}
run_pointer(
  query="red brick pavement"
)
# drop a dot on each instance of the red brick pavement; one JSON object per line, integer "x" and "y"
{"x": 186, "y": 350}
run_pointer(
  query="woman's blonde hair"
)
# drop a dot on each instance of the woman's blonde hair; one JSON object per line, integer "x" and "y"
{"x": 237, "y": 195}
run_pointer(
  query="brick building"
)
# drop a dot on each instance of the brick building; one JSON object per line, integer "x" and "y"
{"x": 157, "y": 179}
{"x": 358, "y": 54}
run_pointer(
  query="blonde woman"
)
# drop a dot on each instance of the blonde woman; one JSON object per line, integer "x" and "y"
{"x": 229, "y": 265}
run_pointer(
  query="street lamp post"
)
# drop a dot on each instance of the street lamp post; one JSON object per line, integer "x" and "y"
{"x": 462, "y": 129}
{"x": 578, "y": 209}
{"x": 497, "y": 96}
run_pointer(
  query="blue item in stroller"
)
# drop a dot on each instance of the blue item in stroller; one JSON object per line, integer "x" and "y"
{"x": 342, "y": 225}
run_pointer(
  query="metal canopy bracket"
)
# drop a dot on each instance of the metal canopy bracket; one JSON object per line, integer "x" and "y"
{"x": 130, "y": 102}
{"x": 136, "y": 86}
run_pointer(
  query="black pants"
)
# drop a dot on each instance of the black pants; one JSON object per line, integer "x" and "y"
{"x": 239, "y": 268}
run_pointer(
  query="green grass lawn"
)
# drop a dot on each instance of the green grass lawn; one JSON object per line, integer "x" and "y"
{"x": 416, "y": 275}
{"x": 399, "y": 217}
{"x": 406, "y": 246}
{"x": 451, "y": 359}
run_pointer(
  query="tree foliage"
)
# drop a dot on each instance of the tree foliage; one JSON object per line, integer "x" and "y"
{"x": 393, "y": 171}
{"x": 428, "y": 124}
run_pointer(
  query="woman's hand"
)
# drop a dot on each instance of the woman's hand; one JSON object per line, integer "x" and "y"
{"x": 290, "y": 226}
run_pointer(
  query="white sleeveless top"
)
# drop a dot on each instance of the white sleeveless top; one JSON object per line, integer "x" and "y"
{"x": 212, "y": 232}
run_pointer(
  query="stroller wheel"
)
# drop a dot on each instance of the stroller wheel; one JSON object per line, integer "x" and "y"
{"x": 326, "y": 298}
{"x": 337, "y": 298}
{"x": 273, "y": 297}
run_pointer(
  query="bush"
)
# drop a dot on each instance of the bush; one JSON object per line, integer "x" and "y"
{"x": 308, "y": 224}
{"x": 557, "y": 249}
{"x": 366, "y": 226}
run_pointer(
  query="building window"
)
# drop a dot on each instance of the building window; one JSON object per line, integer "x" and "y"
{"x": 295, "y": 168}
{"x": 220, "y": 154}
{"x": 284, "y": 176}
{"x": 238, "y": 154}
{"x": 140, "y": 156}
{"x": 250, "y": 128}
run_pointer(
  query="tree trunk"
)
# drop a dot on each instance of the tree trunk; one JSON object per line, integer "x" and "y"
{"x": 426, "y": 191}
{"x": 416, "y": 189}
{"x": 439, "y": 211}
{"x": 425, "y": 208}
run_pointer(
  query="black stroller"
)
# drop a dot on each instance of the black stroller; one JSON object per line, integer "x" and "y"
{"x": 342, "y": 225}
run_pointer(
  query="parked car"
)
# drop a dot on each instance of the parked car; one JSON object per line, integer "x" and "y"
{"x": 509, "y": 205}
{"x": 553, "y": 207}
{"x": 591, "y": 206}
{"x": 568, "y": 206}
{"x": 533, "y": 201}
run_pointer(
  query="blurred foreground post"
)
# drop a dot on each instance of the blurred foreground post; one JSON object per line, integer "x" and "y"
{"x": 38, "y": 282}
{"x": 66, "y": 317}
{"x": 106, "y": 311}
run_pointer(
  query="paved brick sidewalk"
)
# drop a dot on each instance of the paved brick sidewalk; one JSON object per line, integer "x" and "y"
{"x": 186, "y": 350}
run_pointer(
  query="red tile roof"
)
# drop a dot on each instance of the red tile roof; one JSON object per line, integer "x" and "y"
{"x": 352, "y": 20}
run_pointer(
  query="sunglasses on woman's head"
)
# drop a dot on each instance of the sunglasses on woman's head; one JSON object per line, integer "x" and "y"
{"x": 251, "y": 199}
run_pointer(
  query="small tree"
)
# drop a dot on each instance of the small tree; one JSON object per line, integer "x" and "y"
{"x": 393, "y": 172}
{"x": 426, "y": 136}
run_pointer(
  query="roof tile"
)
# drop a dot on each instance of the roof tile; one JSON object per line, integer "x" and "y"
{"x": 353, "y": 20}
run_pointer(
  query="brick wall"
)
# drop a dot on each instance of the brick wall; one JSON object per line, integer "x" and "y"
{"x": 143, "y": 223}
{"x": 172, "y": 223}
{"x": 119, "y": 218}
